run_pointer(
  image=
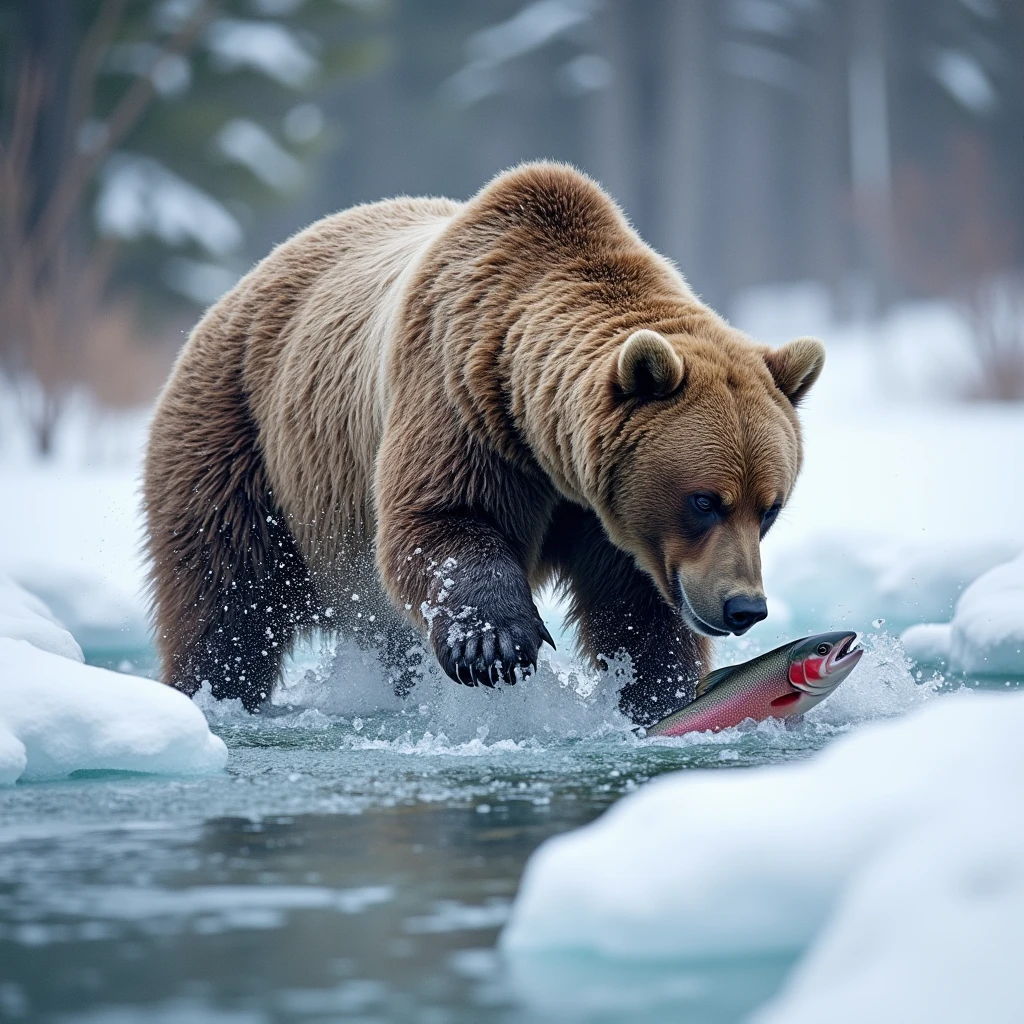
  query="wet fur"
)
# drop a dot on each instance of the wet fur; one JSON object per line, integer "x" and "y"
{"x": 421, "y": 403}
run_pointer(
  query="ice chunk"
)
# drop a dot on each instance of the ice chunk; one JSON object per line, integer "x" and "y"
{"x": 986, "y": 636}
{"x": 58, "y": 716}
{"x": 704, "y": 865}
{"x": 70, "y": 716}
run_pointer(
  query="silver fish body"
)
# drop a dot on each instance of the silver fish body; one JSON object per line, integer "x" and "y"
{"x": 779, "y": 684}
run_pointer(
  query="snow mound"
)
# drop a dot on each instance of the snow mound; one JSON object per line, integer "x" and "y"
{"x": 704, "y": 865}
{"x": 924, "y": 935}
{"x": 24, "y": 617}
{"x": 58, "y": 716}
{"x": 927, "y": 643}
{"x": 986, "y": 636}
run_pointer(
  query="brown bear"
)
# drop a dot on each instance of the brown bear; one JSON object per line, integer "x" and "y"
{"x": 415, "y": 412}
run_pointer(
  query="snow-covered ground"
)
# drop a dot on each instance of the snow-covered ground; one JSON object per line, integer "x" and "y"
{"x": 59, "y": 716}
{"x": 69, "y": 527}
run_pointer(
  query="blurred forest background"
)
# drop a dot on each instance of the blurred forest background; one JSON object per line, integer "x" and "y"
{"x": 152, "y": 150}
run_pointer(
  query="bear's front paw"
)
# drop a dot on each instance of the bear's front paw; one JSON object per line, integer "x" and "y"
{"x": 474, "y": 648}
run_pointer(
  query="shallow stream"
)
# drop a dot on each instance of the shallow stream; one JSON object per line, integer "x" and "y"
{"x": 357, "y": 858}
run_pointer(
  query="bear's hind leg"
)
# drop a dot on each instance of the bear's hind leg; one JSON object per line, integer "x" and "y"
{"x": 231, "y": 608}
{"x": 229, "y": 587}
{"x": 245, "y": 639}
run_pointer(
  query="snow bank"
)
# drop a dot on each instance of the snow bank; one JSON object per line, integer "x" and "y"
{"x": 986, "y": 635}
{"x": 925, "y": 930}
{"x": 69, "y": 531}
{"x": 708, "y": 865}
{"x": 58, "y": 716}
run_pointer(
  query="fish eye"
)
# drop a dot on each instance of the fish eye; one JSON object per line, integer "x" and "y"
{"x": 823, "y": 649}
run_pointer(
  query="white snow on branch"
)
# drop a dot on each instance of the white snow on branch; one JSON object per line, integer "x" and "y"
{"x": 171, "y": 73}
{"x": 964, "y": 79}
{"x": 249, "y": 144}
{"x": 263, "y": 46}
{"x": 536, "y": 25}
{"x": 139, "y": 196}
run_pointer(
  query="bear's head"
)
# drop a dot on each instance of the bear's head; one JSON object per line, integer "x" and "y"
{"x": 707, "y": 455}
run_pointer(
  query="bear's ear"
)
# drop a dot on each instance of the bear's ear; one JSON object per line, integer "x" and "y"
{"x": 648, "y": 366}
{"x": 796, "y": 366}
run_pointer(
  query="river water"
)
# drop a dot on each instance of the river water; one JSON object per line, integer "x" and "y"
{"x": 358, "y": 857}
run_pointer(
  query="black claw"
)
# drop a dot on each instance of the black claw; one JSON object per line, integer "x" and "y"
{"x": 545, "y": 635}
{"x": 480, "y": 673}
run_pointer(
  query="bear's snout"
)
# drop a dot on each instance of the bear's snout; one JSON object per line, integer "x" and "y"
{"x": 741, "y": 612}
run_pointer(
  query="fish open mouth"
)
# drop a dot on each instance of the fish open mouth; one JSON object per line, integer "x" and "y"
{"x": 843, "y": 656}
{"x": 849, "y": 646}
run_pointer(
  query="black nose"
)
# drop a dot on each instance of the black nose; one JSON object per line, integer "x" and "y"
{"x": 740, "y": 613}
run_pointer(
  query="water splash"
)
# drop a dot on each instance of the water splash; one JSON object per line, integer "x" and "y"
{"x": 334, "y": 689}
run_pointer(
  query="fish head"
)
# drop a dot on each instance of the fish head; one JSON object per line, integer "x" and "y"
{"x": 818, "y": 664}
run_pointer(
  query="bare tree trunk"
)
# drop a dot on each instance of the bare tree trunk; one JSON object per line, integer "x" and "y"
{"x": 683, "y": 159}
{"x": 870, "y": 158}
{"x": 827, "y": 165}
{"x": 613, "y": 124}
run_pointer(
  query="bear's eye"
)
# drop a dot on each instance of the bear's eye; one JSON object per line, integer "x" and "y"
{"x": 769, "y": 516}
{"x": 705, "y": 504}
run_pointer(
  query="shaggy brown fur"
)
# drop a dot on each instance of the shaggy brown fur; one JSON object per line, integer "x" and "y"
{"x": 418, "y": 411}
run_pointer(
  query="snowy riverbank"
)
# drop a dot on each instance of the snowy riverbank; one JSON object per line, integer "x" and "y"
{"x": 59, "y": 716}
